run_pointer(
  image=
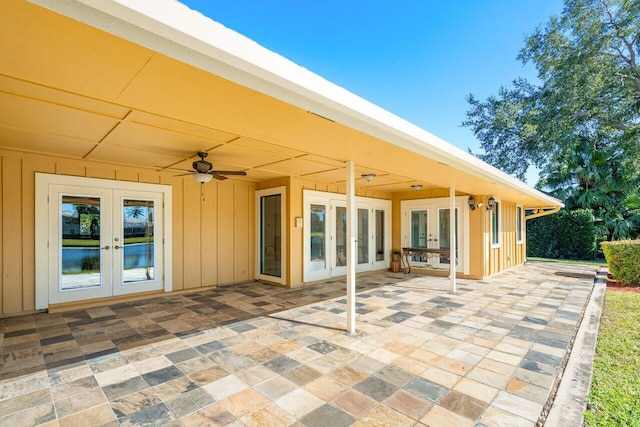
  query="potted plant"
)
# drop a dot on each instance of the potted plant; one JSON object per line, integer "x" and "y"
{"x": 395, "y": 260}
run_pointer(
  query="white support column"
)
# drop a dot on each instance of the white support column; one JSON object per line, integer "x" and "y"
{"x": 351, "y": 249}
{"x": 452, "y": 238}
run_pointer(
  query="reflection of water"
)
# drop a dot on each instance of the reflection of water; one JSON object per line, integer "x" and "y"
{"x": 135, "y": 256}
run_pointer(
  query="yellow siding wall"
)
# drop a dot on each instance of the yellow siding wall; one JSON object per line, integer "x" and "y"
{"x": 510, "y": 253}
{"x": 213, "y": 240}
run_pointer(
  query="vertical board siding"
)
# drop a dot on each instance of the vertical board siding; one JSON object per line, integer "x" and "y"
{"x": 176, "y": 228}
{"x": 226, "y": 226}
{"x": 213, "y": 241}
{"x": 191, "y": 229}
{"x": 509, "y": 254}
{"x": 12, "y": 290}
{"x": 209, "y": 235}
{"x": 1, "y": 236}
{"x": 241, "y": 232}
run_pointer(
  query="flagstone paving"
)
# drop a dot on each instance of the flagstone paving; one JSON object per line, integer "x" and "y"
{"x": 258, "y": 355}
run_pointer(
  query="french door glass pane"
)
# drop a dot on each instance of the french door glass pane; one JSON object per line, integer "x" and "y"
{"x": 80, "y": 243}
{"x": 495, "y": 223}
{"x": 419, "y": 232}
{"x": 341, "y": 236}
{"x": 444, "y": 224}
{"x": 270, "y": 235}
{"x": 363, "y": 236}
{"x": 138, "y": 241}
{"x": 380, "y": 235}
{"x": 318, "y": 237}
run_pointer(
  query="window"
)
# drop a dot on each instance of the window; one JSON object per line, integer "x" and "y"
{"x": 519, "y": 224}
{"x": 495, "y": 225}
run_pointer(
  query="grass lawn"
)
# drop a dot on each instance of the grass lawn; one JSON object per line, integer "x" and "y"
{"x": 599, "y": 262}
{"x": 614, "y": 398}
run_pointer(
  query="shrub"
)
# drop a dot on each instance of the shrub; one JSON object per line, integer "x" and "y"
{"x": 564, "y": 235}
{"x": 623, "y": 259}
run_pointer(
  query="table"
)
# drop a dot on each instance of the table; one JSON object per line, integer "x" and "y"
{"x": 430, "y": 252}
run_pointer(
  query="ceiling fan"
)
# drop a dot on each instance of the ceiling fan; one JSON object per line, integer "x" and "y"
{"x": 203, "y": 170}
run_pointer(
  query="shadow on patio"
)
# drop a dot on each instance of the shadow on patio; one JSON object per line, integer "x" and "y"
{"x": 254, "y": 354}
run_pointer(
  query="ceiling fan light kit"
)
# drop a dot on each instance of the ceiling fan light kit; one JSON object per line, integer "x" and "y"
{"x": 202, "y": 178}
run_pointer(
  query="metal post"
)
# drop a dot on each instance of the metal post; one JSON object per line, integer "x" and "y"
{"x": 452, "y": 238}
{"x": 351, "y": 249}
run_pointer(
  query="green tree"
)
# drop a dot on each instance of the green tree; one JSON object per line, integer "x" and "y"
{"x": 581, "y": 124}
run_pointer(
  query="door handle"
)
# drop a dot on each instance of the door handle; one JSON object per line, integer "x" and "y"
{"x": 106, "y": 248}
{"x": 117, "y": 247}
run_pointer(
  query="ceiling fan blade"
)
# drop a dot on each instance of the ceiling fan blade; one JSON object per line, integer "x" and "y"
{"x": 172, "y": 169}
{"x": 218, "y": 177}
{"x": 239, "y": 173}
{"x": 184, "y": 174}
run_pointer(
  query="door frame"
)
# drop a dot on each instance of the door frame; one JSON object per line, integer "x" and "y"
{"x": 282, "y": 191}
{"x": 331, "y": 201}
{"x": 42, "y": 224}
{"x": 432, "y": 205}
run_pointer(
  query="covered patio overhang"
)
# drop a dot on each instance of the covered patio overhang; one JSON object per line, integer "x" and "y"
{"x": 149, "y": 84}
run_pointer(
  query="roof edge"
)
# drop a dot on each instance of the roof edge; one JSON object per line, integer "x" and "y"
{"x": 172, "y": 28}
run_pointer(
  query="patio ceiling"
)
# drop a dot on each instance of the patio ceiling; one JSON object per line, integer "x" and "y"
{"x": 72, "y": 90}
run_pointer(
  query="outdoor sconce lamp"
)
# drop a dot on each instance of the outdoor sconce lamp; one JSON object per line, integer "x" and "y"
{"x": 417, "y": 187}
{"x": 472, "y": 203}
{"x": 491, "y": 203}
{"x": 368, "y": 176}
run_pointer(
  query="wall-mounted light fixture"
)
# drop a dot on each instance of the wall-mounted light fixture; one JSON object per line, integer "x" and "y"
{"x": 368, "y": 176}
{"x": 472, "y": 203}
{"x": 491, "y": 203}
{"x": 417, "y": 187}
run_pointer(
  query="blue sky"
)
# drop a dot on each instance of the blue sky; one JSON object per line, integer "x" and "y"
{"x": 417, "y": 59}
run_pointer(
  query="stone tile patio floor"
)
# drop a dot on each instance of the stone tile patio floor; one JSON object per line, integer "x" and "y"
{"x": 258, "y": 355}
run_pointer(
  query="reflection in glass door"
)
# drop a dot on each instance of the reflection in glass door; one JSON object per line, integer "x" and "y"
{"x": 82, "y": 265}
{"x": 341, "y": 236}
{"x": 318, "y": 249}
{"x": 137, "y": 242}
{"x": 138, "y": 237}
{"x": 380, "y": 235}
{"x": 444, "y": 235}
{"x": 419, "y": 233}
{"x": 363, "y": 236}
{"x": 270, "y": 235}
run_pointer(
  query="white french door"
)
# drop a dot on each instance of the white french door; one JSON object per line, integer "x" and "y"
{"x": 325, "y": 224}
{"x": 100, "y": 241}
{"x": 427, "y": 223}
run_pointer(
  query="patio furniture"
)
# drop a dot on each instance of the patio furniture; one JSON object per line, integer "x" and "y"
{"x": 426, "y": 253}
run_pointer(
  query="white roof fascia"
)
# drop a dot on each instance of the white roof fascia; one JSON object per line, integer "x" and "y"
{"x": 175, "y": 30}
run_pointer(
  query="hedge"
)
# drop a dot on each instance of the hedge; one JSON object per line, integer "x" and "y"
{"x": 623, "y": 259}
{"x": 563, "y": 235}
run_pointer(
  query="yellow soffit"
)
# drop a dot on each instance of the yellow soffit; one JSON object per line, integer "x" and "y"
{"x": 172, "y": 29}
